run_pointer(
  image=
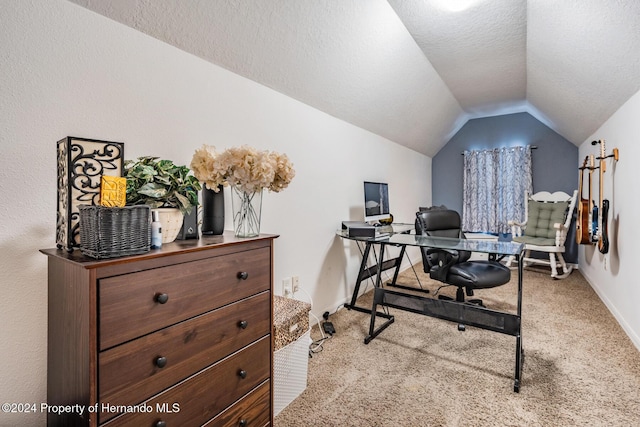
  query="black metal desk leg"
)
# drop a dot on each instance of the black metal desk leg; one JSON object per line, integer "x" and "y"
{"x": 374, "y": 304}
{"x": 519, "y": 357}
{"x": 519, "y": 349}
{"x": 398, "y": 263}
{"x": 364, "y": 274}
{"x": 363, "y": 269}
{"x": 372, "y": 322}
{"x": 378, "y": 297}
{"x": 380, "y": 262}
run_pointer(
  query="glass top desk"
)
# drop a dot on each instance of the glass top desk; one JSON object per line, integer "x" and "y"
{"x": 461, "y": 313}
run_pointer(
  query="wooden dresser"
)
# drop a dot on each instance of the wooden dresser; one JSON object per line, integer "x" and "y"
{"x": 180, "y": 336}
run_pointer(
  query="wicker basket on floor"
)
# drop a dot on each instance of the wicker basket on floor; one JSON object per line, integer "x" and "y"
{"x": 114, "y": 232}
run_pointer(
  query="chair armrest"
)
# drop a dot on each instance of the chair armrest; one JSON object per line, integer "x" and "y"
{"x": 446, "y": 258}
{"x": 561, "y": 233}
{"x": 517, "y": 227}
{"x": 452, "y": 252}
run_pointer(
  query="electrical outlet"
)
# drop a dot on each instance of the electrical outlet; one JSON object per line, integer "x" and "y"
{"x": 286, "y": 287}
{"x": 295, "y": 284}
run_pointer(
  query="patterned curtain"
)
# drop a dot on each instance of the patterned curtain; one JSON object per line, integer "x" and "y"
{"x": 494, "y": 185}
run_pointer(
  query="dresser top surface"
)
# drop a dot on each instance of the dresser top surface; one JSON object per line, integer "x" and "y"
{"x": 173, "y": 248}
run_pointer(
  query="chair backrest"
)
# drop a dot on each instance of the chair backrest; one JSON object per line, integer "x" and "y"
{"x": 431, "y": 208}
{"x": 440, "y": 223}
{"x": 544, "y": 210}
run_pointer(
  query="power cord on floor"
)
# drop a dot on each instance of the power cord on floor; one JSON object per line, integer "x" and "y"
{"x": 316, "y": 346}
{"x": 328, "y": 326}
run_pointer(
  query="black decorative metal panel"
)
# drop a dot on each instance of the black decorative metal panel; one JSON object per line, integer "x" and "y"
{"x": 81, "y": 165}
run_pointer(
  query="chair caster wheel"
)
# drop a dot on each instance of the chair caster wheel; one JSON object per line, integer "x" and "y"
{"x": 461, "y": 327}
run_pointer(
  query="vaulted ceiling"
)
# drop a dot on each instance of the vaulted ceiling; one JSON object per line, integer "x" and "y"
{"x": 414, "y": 71}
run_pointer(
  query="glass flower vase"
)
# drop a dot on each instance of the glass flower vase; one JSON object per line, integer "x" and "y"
{"x": 247, "y": 207}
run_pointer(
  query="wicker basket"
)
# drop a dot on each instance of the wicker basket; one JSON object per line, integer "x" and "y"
{"x": 114, "y": 232}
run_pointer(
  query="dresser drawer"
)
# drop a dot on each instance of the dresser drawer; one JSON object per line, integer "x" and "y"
{"x": 132, "y": 305}
{"x": 139, "y": 369}
{"x": 198, "y": 398}
{"x": 254, "y": 409}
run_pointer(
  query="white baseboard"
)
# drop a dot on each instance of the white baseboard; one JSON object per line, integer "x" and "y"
{"x": 635, "y": 339}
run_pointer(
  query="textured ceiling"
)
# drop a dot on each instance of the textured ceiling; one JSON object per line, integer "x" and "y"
{"x": 414, "y": 71}
{"x": 479, "y": 52}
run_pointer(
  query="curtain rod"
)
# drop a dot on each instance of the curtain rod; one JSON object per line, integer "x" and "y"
{"x": 533, "y": 147}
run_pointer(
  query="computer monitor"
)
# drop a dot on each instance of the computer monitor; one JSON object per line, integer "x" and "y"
{"x": 376, "y": 201}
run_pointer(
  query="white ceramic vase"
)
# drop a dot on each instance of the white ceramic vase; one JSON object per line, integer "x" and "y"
{"x": 171, "y": 221}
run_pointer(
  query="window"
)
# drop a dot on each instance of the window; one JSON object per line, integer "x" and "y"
{"x": 494, "y": 185}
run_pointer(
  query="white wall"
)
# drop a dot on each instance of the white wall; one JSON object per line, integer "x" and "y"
{"x": 67, "y": 71}
{"x": 614, "y": 276}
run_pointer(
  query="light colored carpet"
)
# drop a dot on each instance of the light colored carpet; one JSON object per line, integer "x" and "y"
{"x": 580, "y": 367}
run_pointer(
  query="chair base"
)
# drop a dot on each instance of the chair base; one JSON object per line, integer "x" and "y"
{"x": 460, "y": 298}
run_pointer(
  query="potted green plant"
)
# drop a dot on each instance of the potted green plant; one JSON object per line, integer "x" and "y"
{"x": 161, "y": 184}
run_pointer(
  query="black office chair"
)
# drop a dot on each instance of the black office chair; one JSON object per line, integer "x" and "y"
{"x": 451, "y": 266}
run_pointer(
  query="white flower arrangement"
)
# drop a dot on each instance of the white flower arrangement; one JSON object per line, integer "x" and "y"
{"x": 243, "y": 167}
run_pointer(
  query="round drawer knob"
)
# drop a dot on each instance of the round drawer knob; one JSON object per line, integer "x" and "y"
{"x": 243, "y": 324}
{"x": 161, "y": 298}
{"x": 161, "y": 361}
{"x": 160, "y": 423}
{"x": 243, "y": 275}
{"x": 243, "y": 423}
{"x": 242, "y": 374}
